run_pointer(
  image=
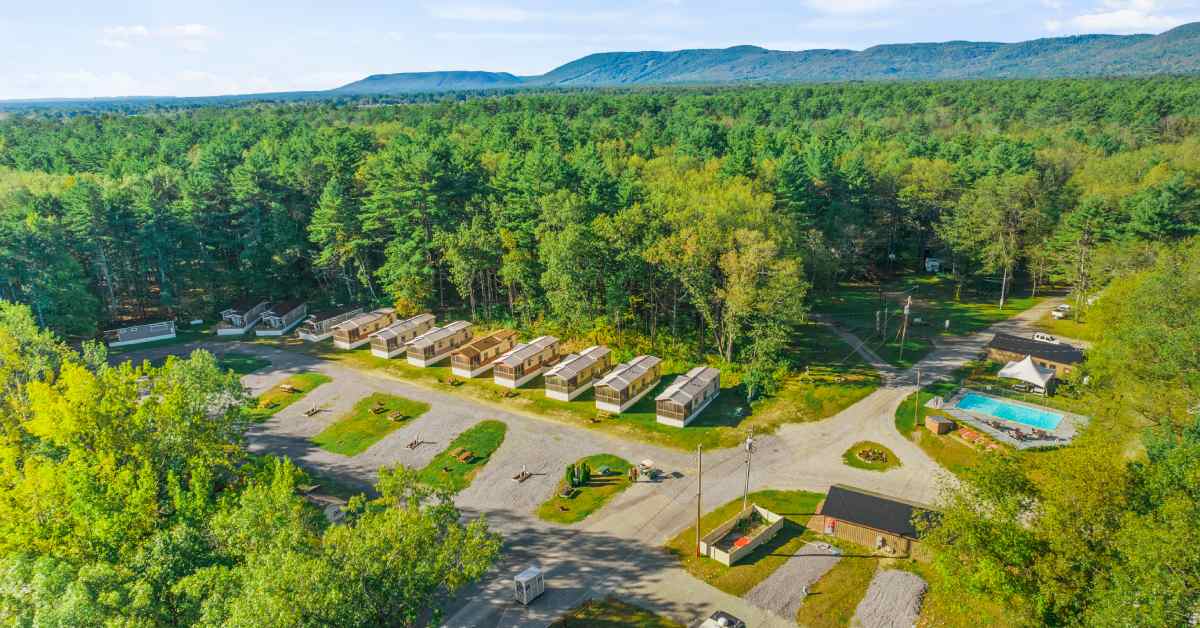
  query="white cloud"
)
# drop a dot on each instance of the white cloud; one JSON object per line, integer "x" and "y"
{"x": 478, "y": 13}
{"x": 188, "y": 37}
{"x": 849, "y": 6}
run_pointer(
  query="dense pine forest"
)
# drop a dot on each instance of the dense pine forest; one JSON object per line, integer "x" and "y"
{"x": 702, "y": 222}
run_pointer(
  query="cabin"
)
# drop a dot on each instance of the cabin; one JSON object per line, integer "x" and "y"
{"x": 356, "y": 332}
{"x": 1060, "y": 357}
{"x": 393, "y": 340}
{"x": 526, "y": 361}
{"x": 319, "y": 326}
{"x": 434, "y": 345}
{"x": 687, "y": 396}
{"x": 628, "y": 383}
{"x": 281, "y": 318}
{"x": 877, "y": 522}
{"x": 241, "y": 317}
{"x": 475, "y": 358}
{"x": 577, "y": 372}
{"x": 137, "y": 332}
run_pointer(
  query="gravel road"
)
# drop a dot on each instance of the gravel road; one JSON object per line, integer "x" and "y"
{"x": 892, "y": 601}
{"x": 783, "y": 591}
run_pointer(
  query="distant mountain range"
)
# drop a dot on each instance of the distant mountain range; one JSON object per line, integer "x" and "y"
{"x": 1174, "y": 52}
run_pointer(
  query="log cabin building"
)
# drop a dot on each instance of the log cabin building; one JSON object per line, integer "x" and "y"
{"x": 687, "y": 396}
{"x": 319, "y": 326}
{"x": 526, "y": 361}
{"x": 241, "y": 317}
{"x": 1061, "y": 357}
{"x": 434, "y": 345}
{"x": 393, "y": 340}
{"x": 356, "y": 332}
{"x": 877, "y": 522}
{"x": 281, "y": 318}
{"x": 137, "y": 332}
{"x": 475, "y": 358}
{"x": 577, "y": 372}
{"x": 626, "y": 384}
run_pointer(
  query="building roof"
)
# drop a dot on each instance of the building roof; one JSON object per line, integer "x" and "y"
{"x": 245, "y": 304}
{"x": 439, "y": 333}
{"x": 525, "y": 350}
{"x": 625, "y": 374}
{"x": 279, "y": 309}
{"x": 138, "y": 322}
{"x": 938, "y": 419}
{"x": 364, "y": 319}
{"x": 574, "y": 363}
{"x": 408, "y": 324}
{"x": 333, "y": 313}
{"x": 483, "y": 343}
{"x": 688, "y": 386}
{"x": 872, "y": 510}
{"x": 1048, "y": 351}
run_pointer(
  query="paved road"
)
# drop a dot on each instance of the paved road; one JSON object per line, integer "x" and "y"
{"x": 618, "y": 550}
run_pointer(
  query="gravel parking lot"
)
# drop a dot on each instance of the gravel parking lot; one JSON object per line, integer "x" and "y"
{"x": 782, "y": 592}
{"x": 892, "y": 601}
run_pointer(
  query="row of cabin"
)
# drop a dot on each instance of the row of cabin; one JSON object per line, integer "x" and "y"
{"x": 276, "y": 319}
{"x": 393, "y": 340}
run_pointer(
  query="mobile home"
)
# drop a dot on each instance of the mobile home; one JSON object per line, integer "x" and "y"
{"x": 687, "y": 396}
{"x": 280, "y": 318}
{"x": 357, "y": 331}
{"x": 434, "y": 345}
{"x": 241, "y": 317}
{"x": 628, "y": 383}
{"x": 577, "y": 372}
{"x": 319, "y": 326}
{"x": 136, "y": 332}
{"x": 393, "y": 340}
{"x": 475, "y": 358}
{"x": 526, "y": 361}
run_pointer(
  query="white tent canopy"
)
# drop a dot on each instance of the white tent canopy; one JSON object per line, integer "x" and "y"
{"x": 1026, "y": 371}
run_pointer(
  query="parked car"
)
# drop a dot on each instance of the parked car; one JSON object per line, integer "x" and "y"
{"x": 1044, "y": 337}
{"x": 721, "y": 619}
{"x": 1058, "y": 315}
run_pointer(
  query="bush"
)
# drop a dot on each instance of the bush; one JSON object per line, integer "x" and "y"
{"x": 585, "y": 474}
{"x": 570, "y": 475}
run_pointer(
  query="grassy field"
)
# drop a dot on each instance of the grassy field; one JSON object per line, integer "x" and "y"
{"x": 277, "y": 398}
{"x": 833, "y": 598}
{"x": 835, "y": 379}
{"x": 587, "y": 499}
{"x": 241, "y": 363}
{"x": 854, "y": 307}
{"x": 611, "y": 612}
{"x": 851, "y": 457}
{"x": 355, "y": 432}
{"x": 796, "y": 506}
{"x": 452, "y": 474}
{"x": 1069, "y": 328}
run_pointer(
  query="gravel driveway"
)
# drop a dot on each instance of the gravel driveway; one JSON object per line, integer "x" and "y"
{"x": 782, "y": 592}
{"x": 892, "y": 601}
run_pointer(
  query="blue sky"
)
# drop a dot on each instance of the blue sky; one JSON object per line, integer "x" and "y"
{"x": 56, "y": 48}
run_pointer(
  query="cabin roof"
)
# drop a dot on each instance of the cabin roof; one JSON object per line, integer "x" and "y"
{"x": 862, "y": 507}
{"x": 332, "y": 313}
{"x": 245, "y": 304}
{"x": 439, "y": 333}
{"x": 625, "y": 374}
{"x": 1049, "y": 351}
{"x": 363, "y": 319}
{"x": 688, "y": 386}
{"x": 408, "y": 324}
{"x": 573, "y": 364}
{"x": 481, "y": 344}
{"x": 279, "y": 309}
{"x": 138, "y": 322}
{"x": 526, "y": 350}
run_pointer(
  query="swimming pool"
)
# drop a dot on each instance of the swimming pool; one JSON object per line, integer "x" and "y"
{"x": 1001, "y": 409}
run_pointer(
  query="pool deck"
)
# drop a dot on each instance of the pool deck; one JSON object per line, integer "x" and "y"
{"x": 1006, "y": 431}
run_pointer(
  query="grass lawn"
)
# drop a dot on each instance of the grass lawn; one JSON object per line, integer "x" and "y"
{"x": 796, "y": 506}
{"x": 1068, "y": 328}
{"x": 241, "y": 363}
{"x": 854, "y": 307}
{"x": 587, "y": 499}
{"x": 452, "y": 474}
{"x": 355, "y": 432}
{"x": 853, "y": 459}
{"x": 612, "y": 613}
{"x": 952, "y": 607}
{"x": 833, "y": 598}
{"x": 277, "y": 398}
{"x": 836, "y": 379}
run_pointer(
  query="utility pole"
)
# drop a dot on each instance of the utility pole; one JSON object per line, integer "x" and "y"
{"x": 749, "y": 454}
{"x": 699, "y": 492}
{"x": 917, "y": 402}
{"x": 904, "y": 328}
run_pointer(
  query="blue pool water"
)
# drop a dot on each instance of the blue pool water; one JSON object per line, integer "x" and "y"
{"x": 1001, "y": 409}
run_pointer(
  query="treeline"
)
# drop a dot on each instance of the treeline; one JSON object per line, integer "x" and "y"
{"x": 705, "y": 212}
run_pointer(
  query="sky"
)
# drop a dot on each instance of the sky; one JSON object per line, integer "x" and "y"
{"x": 75, "y": 49}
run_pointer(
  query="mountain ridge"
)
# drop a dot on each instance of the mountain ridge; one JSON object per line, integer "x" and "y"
{"x": 1170, "y": 52}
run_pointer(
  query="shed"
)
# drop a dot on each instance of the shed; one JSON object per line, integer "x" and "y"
{"x": 939, "y": 424}
{"x": 1060, "y": 357}
{"x": 875, "y": 521}
{"x": 475, "y": 358}
{"x": 393, "y": 340}
{"x": 687, "y": 396}
{"x": 577, "y": 372}
{"x": 134, "y": 332}
{"x": 281, "y": 318}
{"x": 626, "y": 384}
{"x": 525, "y": 361}
{"x": 319, "y": 325}
{"x": 356, "y": 332}
{"x": 434, "y": 345}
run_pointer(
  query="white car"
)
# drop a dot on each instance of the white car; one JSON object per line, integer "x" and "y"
{"x": 1058, "y": 315}
{"x": 1044, "y": 337}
